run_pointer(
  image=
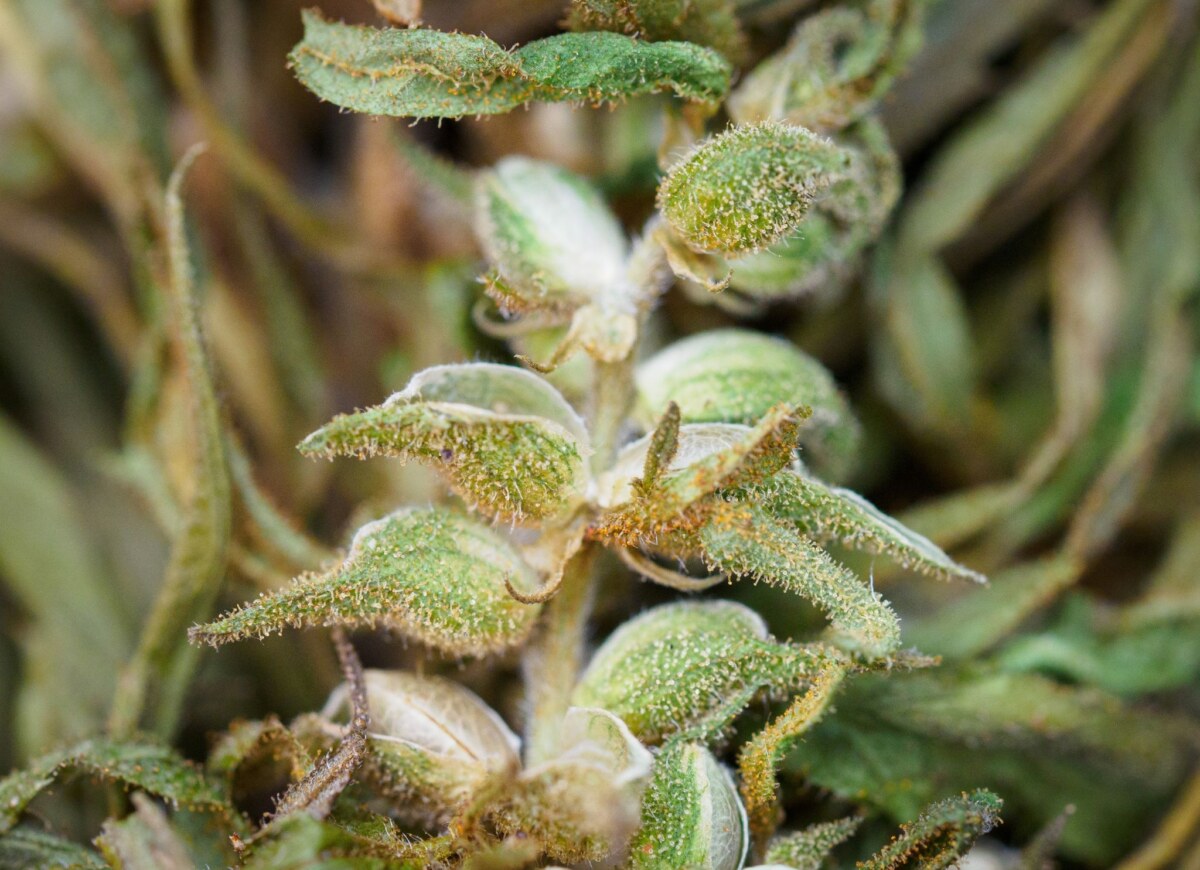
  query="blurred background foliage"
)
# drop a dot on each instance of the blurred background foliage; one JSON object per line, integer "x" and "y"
{"x": 1021, "y": 349}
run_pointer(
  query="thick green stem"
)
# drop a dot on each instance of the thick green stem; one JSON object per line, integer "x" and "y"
{"x": 553, "y": 669}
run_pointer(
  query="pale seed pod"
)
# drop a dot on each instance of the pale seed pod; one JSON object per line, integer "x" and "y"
{"x": 550, "y": 235}
{"x": 749, "y": 187}
{"x": 583, "y": 803}
{"x": 690, "y": 668}
{"x": 434, "y": 575}
{"x": 691, "y": 815}
{"x": 433, "y": 741}
{"x": 737, "y": 376}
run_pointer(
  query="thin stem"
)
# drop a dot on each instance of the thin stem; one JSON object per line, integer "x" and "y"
{"x": 552, "y": 670}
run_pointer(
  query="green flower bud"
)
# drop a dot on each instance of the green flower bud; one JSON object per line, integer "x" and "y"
{"x": 737, "y": 376}
{"x": 749, "y": 187}
{"x": 433, "y": 742}
{"x": 690, "y": 668}
{"x": 434, "y": 575}
{"x": 550, "y": 235}
{"x": 691, "y": 815}
{"x": 508, "y": 441}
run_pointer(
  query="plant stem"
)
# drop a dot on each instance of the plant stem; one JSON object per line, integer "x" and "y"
{"x": 553, "y": 669}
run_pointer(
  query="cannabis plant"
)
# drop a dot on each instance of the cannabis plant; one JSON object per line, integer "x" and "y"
{"x": 631, "y": 619}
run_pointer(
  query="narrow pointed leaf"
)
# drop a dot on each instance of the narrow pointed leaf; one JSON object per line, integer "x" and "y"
{"x": 434, "y": 575}
{"x": 29, "y": 848}
{"x": 810, "y": 849}
{"x": 745, "y": 540}
{"x": 943, "y": 834}
{"x": 833, "y": 514}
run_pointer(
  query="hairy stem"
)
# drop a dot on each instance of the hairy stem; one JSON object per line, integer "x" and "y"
{"x": 554, "y": 668}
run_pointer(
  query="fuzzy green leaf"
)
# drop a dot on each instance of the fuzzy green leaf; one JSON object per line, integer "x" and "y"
{"x": 943, "y": 834}
{"x": 746, "y": 540}
{"x": 749, "y": 187}
{"x": 833, "y": 514}
{"x": 508, "y": 441}
{"x": 434, "y": 575}
{"x": 688, "y": 669}
{"x": 737, "y": 376}
{"x": 151, "y": 687}
{"x": 428, "y": 74}
{"x": 809, "y": 849}
{"x": 704, "y": 22}
{"x": 148, "y": 766}
{"x": 691, "y": 815}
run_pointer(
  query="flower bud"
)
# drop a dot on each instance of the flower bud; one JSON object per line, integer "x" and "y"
{"x": 749, "y": 187}
{"x": 691, "y": 815}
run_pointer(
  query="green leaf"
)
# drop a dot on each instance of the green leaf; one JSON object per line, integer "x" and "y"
{"x": 686, "y": 670}
{"x": 942, "y": 835}
{"x": 833, "y": 514}
{"x": 93, "y": 91}
{"x": 749, "y": 187}
{"x": 691, "y": 814}
{"x": 433, "y": 575}
{"x": 834, "y": 69}
{"x": 746, "y": 540}
{"x": 903, "y": 740}
{"x": 737, "y": 376}
{"x": 759, "y": 756}
{"x": 28, "y": 848}
{"x": 301, "y": 842}
{"x": 980, "y": 619}
{"x": 810, "y": 849}
{"x": 704, "y": 22}
{"x": 428, "y": 74}
{"x": 147, "y": 766}
{"x": 550, "y": 235}
{"x": 508, "y": 441}
{"x": 53, "y": 571}
{"x": 152, "y": 685}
